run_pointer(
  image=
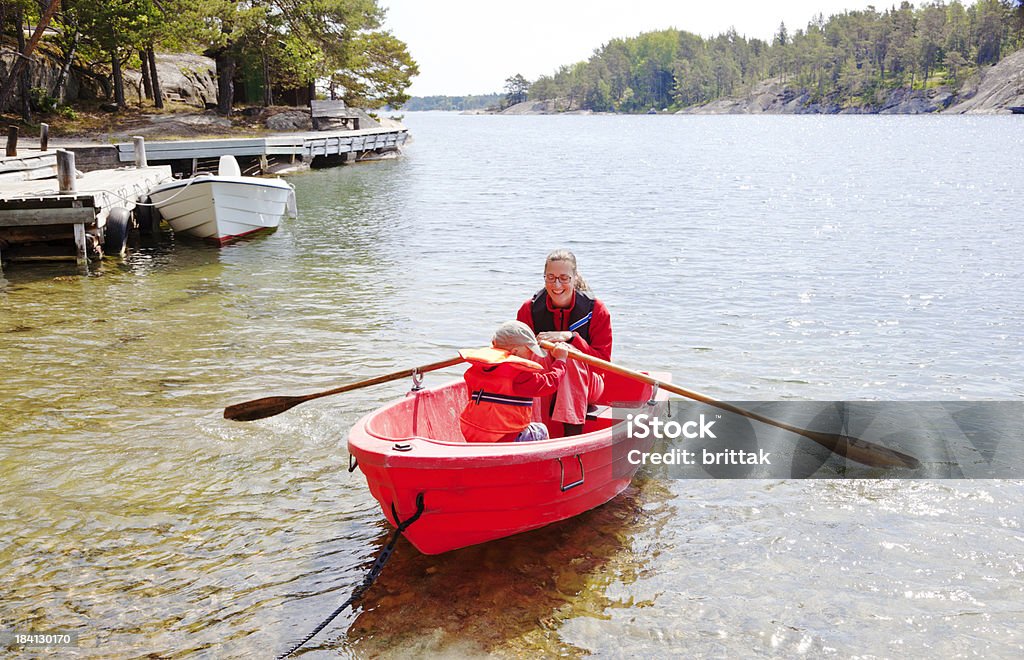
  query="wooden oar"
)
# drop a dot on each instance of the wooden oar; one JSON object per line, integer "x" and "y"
{"x": 274, "y": 405}
{"x": 862, "y": 451}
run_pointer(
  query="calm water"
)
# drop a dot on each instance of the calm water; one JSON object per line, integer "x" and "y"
{"x": 753, "y": 257}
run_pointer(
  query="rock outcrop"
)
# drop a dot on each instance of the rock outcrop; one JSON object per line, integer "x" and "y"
{"x": 45, "y": 70}
{"x": 915, "y": 101}
{"x": 774, "y": 97}
{"x": 994, "y": 89}
{"x": 546, "y": 107}
{"x": 287, "y": 119}
{"x": 184, "y": 78}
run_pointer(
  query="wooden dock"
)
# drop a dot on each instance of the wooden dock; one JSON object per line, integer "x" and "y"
{"x": 347, "y": 145}
{"x": 39, "y": 214}
{"x": 35, "y": 214}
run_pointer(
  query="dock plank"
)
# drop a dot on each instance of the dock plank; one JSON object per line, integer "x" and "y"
{"x": 46, "y": 216}
{"x": 27, "y": 162}
{"x": 29, "y": 174}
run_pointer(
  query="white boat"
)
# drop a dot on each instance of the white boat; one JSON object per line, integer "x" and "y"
{"x": 224, "y": 206}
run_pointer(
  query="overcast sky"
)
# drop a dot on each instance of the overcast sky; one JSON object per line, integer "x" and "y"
{"x": 471, "y": 46}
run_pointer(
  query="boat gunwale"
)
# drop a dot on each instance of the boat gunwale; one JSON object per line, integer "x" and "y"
{"x": 364, "y": 440}
{"x": 205, "y": 177}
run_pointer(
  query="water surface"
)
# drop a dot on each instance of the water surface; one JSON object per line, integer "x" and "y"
{"x": 752, "y": 257}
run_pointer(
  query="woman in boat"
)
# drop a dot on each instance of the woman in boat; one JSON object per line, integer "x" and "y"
{"x": 502, "y": 383}
{"x": 565, "y": 310}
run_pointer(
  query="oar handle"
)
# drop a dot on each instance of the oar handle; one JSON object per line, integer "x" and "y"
{"x": 855, "y": 449}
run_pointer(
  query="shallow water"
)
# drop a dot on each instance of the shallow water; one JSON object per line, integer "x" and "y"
{"x": 753, "y": 257}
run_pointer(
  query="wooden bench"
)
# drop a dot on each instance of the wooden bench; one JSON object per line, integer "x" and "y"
{"x": 333, "y": 114}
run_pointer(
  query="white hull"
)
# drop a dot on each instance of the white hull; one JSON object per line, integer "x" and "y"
{"x": 223, "y": 208}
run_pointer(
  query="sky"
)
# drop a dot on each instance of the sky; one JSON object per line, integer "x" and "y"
{"x": 471, "y": 46}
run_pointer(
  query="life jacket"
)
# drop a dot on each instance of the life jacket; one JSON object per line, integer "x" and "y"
{"x": 579, "y": 315}
{"x": 493, "y": 411}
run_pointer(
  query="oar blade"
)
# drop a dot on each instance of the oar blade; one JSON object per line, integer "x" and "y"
{"x": 249, "y": 411}
{"x": 862, "y": 451}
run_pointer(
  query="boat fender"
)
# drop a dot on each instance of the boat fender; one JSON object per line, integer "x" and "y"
{"x": 115, "y": 231}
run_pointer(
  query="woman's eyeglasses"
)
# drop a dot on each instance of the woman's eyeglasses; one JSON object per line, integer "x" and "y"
{"x": 564, "y": 279}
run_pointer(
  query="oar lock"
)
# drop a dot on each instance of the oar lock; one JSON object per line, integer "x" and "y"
{"x": 654, "y": 395}
{"x": 417, "y": 381}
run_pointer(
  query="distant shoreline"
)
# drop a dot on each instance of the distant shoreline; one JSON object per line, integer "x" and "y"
{"x": 993, "y": 92}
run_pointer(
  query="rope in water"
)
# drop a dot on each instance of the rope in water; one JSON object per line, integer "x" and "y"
{"x": 371, "y": 577}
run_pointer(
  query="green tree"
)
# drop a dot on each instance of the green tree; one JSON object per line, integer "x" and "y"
{"x": 954, "y": 62}
{"x": 517, "y": 89}
{"x": 991, "y": 20}
{"x": 377, "y": 71}
{"x": 1018, "y": 12}
{"x": 298, "y": 42}
{"x": 114, "y": 28}
{"x": 18, "y": 11}
{"x": 931, "y": 30}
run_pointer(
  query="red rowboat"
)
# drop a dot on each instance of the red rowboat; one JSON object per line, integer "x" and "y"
{"x": 477, "y": 492}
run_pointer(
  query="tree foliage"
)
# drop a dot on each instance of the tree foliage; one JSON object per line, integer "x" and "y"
{"x": 289, "y": 43}
{"x": 516, "y": 89}
{"x": 848, "y": 58}
{"x": 449, "y": 103}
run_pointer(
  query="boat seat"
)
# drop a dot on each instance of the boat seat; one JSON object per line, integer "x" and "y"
{"x": 599, "y": 412}
{"x": 228, "y": 166}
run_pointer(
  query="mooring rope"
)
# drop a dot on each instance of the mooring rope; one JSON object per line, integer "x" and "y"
{"x": 191, "y": 180}
{"x": 371, "y": 577}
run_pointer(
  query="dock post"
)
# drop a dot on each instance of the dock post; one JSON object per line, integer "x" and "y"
{"x": 44, "y": 137}
{"x": 12, "y": 140}
{"x": 81, "y": 254}
{"x": 140, "y": 151}
{"x": 65, "y": 171}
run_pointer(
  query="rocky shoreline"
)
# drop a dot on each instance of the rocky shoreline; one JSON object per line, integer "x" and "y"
{"x": 994, "y": 90}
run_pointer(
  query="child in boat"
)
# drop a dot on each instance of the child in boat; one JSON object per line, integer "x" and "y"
{"x": 502, "y": 382}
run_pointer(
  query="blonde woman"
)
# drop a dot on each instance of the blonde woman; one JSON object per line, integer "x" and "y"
{"x": 565, "y": 310}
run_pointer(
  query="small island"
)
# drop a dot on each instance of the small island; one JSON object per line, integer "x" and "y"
{"x": 951, "y": 58}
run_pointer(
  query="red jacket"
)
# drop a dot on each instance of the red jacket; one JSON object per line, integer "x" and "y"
{"x": 483, "y": 419}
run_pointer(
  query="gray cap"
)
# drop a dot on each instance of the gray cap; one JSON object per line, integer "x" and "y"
{"x": 512, "y": 334}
